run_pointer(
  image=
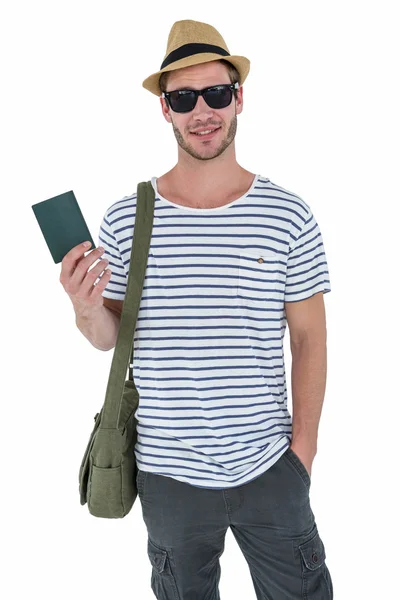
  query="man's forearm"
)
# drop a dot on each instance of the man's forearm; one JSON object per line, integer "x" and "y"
{"x": 99, "y": 327}
{"x": 309, "y": 368}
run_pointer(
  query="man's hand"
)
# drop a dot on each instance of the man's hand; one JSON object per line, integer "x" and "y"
{"x": 305, "y": 453}
{"x": 78, "y": 281}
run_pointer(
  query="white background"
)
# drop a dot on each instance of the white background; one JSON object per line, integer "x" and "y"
{"x": 320, "y": 119}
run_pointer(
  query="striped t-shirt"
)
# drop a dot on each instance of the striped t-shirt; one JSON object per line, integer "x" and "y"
{"x": 208, "y": 344}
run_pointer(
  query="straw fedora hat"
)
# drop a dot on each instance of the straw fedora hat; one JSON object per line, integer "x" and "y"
{"x": 191, "y": 43}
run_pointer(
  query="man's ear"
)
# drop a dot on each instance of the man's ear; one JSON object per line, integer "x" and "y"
{"x": 165, "y": 110}
{"x": 239, "y": 101}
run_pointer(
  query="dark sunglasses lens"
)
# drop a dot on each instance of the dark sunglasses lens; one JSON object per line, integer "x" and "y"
{"x": 218, "y": 97}
{"x": 182, "y": 101}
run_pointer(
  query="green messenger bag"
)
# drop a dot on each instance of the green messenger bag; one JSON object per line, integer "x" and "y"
{"x": 107, "y": 475}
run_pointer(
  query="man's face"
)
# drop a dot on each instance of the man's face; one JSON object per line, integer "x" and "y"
{"x": 203, "y": 116}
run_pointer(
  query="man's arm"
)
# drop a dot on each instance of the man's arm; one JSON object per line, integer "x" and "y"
{"x": 100, "y": 326}
{"x": 307, "y": 326}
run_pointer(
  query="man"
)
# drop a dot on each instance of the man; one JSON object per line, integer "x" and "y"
{"x": 233, "y": 258}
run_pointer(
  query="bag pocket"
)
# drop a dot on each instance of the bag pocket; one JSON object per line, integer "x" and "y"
{"x": 111, "y": 489}
{"x": 258, "y": 276}
{"x": 105, "y": 492}
{"x": 84, "y": 468}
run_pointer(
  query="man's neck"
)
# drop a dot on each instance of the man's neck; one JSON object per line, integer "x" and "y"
{"x": 204, "y": 187}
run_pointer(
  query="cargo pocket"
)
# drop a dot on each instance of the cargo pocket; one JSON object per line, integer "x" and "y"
{"x": 162, "y": 580}
{"x": 258, "y": 276}
{"x": 315, "y": 581}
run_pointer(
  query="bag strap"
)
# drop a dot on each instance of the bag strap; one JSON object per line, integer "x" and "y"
{"x": 137, "y": 268}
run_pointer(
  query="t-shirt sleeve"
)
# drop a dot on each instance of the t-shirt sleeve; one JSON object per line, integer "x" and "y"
{"x": 116, "y": 286}
{"x": 307, "y": 268}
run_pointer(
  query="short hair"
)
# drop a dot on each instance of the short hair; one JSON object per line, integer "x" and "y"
{"x": 232, "y": 72}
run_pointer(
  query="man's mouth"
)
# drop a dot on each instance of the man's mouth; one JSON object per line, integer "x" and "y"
{"x": 206, "y": 133}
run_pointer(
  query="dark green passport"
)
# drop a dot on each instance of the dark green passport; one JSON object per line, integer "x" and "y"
{"x": 62, "y": 224}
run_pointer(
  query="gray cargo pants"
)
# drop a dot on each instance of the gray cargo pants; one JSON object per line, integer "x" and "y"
{"x": 270, "y": 517}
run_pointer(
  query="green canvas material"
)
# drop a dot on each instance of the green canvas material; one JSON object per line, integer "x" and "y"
{"x": 107, "y": 475}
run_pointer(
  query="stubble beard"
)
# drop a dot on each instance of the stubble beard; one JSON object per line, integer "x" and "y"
{"x": 207, "y": 153}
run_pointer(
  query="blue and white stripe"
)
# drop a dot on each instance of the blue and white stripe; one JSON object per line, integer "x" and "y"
{"x": 208, "y": 345}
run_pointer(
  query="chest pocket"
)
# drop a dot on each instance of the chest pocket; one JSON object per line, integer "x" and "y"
{"x": 258, "y": 276}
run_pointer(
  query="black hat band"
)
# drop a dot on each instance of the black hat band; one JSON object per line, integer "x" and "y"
{"x": 191, "y": 49}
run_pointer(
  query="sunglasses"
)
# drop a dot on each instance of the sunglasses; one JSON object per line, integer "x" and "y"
{"x": 217, "y": 96}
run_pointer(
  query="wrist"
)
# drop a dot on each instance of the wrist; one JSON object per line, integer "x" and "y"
{"x": 85, "y": 312}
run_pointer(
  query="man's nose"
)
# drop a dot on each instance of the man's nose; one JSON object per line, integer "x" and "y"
{"x": 201, "y": 107}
